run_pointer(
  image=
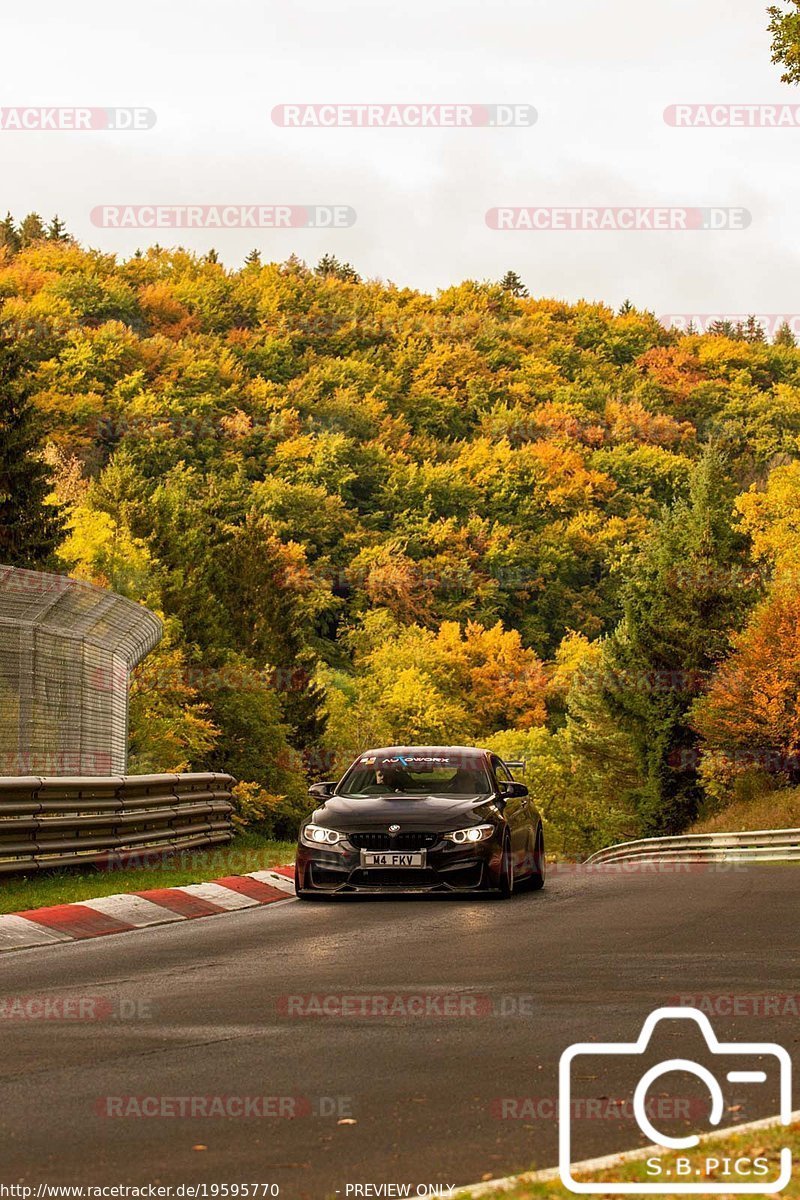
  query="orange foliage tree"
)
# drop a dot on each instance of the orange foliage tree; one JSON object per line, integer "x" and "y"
{"x": 750, "y": 717}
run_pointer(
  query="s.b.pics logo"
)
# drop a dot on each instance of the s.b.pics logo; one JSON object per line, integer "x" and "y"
{"x": 729, "y": 1083}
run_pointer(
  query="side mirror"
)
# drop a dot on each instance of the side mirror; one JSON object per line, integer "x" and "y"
{"x": 515, "y": 789}
{"x": 321, "y": 791}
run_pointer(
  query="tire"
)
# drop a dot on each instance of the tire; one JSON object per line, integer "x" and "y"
{"x": 536, "y": 882}
{"x": 506, "y": 885}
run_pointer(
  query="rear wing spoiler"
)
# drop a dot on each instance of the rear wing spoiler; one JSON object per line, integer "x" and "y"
{"x": 516, "y": 766}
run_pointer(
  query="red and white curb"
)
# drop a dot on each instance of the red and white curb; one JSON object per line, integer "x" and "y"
{"x": 136, "y": 910}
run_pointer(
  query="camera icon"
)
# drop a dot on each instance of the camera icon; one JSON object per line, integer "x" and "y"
{"x": 755, "y": 1184}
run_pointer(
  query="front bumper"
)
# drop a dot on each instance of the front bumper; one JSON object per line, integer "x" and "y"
{"x": 449, "y": 868}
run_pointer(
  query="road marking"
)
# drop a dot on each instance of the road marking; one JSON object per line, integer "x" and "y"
{"x": 133, "y": 910}
{"x": 508, "y": 1182}
{"x": 221, "y": 896}
{"x": 17, "y": 932}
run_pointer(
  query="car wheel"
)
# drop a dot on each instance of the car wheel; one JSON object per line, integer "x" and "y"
{"x": 539, "y": 863}
{"x": 506, "y": 885}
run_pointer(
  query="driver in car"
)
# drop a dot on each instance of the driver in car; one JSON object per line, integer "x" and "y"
{"x": 394, "y": 779}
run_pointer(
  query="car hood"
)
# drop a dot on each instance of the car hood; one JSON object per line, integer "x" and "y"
{"x": 418, "y": 812}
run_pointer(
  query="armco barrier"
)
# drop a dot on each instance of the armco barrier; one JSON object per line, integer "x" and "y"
{"x": 64, "y": 822}
{"x": 758, "y": 845}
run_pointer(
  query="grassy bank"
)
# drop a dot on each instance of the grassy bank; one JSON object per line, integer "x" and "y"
{"x": 776, "y": 810}
{"x": 248, "y": 852}
{"x": 760, "y": 1144}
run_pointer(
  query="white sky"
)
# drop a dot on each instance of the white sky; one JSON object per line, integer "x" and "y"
{"x": 599, "y": 73}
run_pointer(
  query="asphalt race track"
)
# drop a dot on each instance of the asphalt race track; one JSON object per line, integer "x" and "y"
{"x": 433, "y": 1098}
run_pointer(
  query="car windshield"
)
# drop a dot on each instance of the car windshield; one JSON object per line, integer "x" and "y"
{"x": 415, "y": 775}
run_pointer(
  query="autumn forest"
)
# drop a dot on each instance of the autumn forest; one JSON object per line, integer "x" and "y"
{"x": 368, "y": 515}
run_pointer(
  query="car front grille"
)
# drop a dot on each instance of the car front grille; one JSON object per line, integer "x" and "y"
{"x": 394, "y": 877}
{"x": 400, "y": 841}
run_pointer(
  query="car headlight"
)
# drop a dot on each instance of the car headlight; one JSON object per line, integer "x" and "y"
{"x": 475, "y": 833}
{"x": 319, "y": 835}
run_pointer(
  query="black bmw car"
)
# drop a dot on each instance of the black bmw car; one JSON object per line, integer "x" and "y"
{"x": 421, "y": 819}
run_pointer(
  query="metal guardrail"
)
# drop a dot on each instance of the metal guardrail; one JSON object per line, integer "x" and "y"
{"x": 65, "y": 822}
{"x": 757, "y": 845}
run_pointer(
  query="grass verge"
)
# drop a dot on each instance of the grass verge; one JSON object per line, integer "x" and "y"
{"x": 247, "y": 852}
{"x": 777, "y": 810}
{"x": 760, "y": 1144}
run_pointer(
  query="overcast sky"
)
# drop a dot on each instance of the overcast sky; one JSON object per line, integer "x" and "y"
{"x": 599, "y": 75}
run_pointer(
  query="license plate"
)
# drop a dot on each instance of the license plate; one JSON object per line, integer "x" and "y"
{"x": 392, "y": 858}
